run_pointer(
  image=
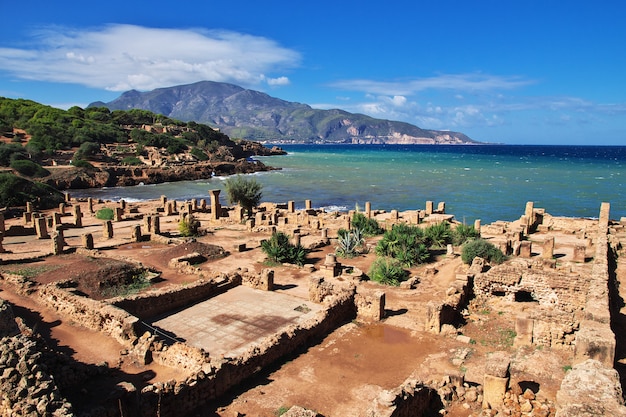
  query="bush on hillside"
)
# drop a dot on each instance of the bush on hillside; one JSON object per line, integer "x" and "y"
{"x": 482, "y": 249}
{"x": 368, "y": 226}
{"x": 29, "y": 168}
{"x": 16, "y": 191}
{"x": 387, "y": 271}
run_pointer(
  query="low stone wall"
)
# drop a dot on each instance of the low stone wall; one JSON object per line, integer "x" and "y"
{"x": 8, "y": 327}
{"x": 95, "y": 315}
{"x": 410, "y": 399}
{"x": 448, "y": 311}
{"x": 154, "y": 303}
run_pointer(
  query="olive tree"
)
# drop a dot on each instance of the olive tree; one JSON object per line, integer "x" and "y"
{"x": 244, "y": 191}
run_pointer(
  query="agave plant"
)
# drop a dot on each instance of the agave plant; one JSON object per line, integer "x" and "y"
{"x": 349, "y": 243}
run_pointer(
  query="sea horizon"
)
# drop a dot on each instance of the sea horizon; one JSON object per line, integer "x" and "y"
{"x": 486, "y": 181}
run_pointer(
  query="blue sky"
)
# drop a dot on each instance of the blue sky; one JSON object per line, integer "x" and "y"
{"x": 519, "y": 72}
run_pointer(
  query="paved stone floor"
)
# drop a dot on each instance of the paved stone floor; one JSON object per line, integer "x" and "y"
{"x": 230, "y": 323}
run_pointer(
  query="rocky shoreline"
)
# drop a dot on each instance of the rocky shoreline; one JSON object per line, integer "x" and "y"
{"x": 68, "y": 177}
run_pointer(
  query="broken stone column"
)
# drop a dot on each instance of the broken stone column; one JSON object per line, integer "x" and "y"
{"x": 548, "y": 248}
{"x": 291, "y": 207}
{"x": 296, "y": 239}
{"x": 163, "y": 201}
{"x": 368, "y": 209}
{"x": 2, "y": 250}
{"x": 250, "y": 224}
{"x": 107, "y": 229}
{"x": 26, "y": 216}
{"x": 169, "y": 208}
{"x": 496, "y": 380}
{"x": 194, "y": 204}
{"x": 525, "y": 249}
{"x": 78, "y": 216}
{"x": 147, "y": 223}
{"x": 529, "y": 213}
{"x": 29, "y": 207}
{"x": 579, "y": 253}
{"x": 135, "y": 233}
{"x": 68, "y": 197}
{"x": 324, "y": 233}
{"x": 216, "y": 208}
{"x": 267, "y": 279}
{"x": 156, "y": 225}
{"x": 123, "y": 204}
{"x": 118, "y": 214}
{"x": 429, "y": 207}
{"x": 41, "y": 228}
{"x": 441, "y": 207}
{"x": 58, "y": 242}
{"x": 394, "y": 215}
{"x": 308, "y": 205}
{"x": 62, "y": 208}
{"x": 605, "y": 209}
{"x": 331, "y": 268}
{"x": 203, "y": 204}
{"x": 87, "y": 240}
{"x": 56, "y": 220}
{"x": 90, "y": 204}
{"x": 477, "y": 225}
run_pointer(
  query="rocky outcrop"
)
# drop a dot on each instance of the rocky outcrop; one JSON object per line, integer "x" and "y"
{"x": 115, "y": 176}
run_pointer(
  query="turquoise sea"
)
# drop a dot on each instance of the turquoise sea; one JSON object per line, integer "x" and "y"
{"x": 487, "y": 182}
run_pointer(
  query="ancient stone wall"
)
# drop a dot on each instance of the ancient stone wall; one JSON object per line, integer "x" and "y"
{"x": 8, "y": 327}
{"x": 93, "y": 314}
{"x": 448, "y": 311}
{"x": 410, "y": 399}
{"x": 153, "y": 303}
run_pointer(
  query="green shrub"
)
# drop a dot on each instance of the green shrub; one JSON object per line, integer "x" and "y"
{"x": 482, "y": 249}
{"x": 369, "y": 227}
{"x": 16, "y": 191}
{"x": 350, "y": 243}
{"x": 189, "y": 226}
{"x": 81, "y": 163}
{"x": 404, "y": 243}
{"x": 463, "y": 233}
{"x": 29, "y": 168}
{"x": 105, "y": 213}
{"x": 280, "y": 250}
{"x": 199, "y": 154}
{"x": 387, "y": 271}
{"x": 438, "y": 235}
{"x": 131, "y": 160}
{"x": 245, "y": 191}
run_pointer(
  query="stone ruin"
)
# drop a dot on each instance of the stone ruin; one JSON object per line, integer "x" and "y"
{"x": 568, "y": 307}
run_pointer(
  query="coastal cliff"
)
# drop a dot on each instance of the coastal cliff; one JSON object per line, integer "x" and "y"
{"x": 64, "y": 178}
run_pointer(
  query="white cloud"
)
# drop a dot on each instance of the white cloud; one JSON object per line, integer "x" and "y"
{"x": 123, "y": 57}
{"x": 456, "y": 82}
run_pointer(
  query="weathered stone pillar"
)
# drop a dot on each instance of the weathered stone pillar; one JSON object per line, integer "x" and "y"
{"x": 605, "y": 209}
{"x": 216, "y": 208}
{"x": 135, "y": 233}
{"x": 324, "y": 233}
{"x": 296, "y": 239}
{"x": 78, "y": 216}
{"x": 118, "y": 214}
{"x": 496, "y": 380}
{"x": 169, "y": 210}
{"x": 194, "y": 204}
{"x": 29, "y": 207}
{"x": 525, "y": 249}
{"x": 394, "y": 215}
{"x": 370, "y": 305}
{"x": 26, "y": 216}
{"x": 2, "y": 250}
{"x": 477, "y": 225}
{"x": 239, "y": 213}
{"x": 291, "y": 207}
{"x": 441, "y": 207}
{"x": 250, "y": 224}
{"x": 429, "y": 208}
{"x": 123, "y": 204}
{"x": 308, "y": 205}
{"x": 107, "y": 229}
{"x": 368, "y": 209}
{"x": 548, "y": 248}
{"x": 163, "y": 201}
{"x": 58, "y": 242}
{"x": 87, "y": 240}
{"x": 2, "y": 226}
{"x": 449, "y": 249}
{"x": 56, "y": 220}
{"x": 331, "y": 268}
{"x": 41, "y": 228}
{"x": 524, "y": 331}
{"x": 156, "y": 225}
{"x": 68, "y": 197}
{"x": 267, "y": 279}
{"x": 580, "y": 253}
{"x": 147, "y": 223}
{"x": 62, "y": 208}
{"x": 90, "y": 204}
{"x": 203, "y": 204}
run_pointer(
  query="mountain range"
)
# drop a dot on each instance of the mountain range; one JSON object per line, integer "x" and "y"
{"x": 254, "y": 115}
